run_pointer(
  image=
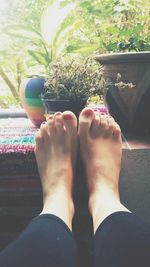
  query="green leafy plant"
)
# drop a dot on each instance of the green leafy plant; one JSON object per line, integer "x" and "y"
{"x": 37, "y": 48}
{"x": 130, "y": 31}
{"x": 45, "y": 44}
{"x": 74, "y": 79}
{"x": 15, "y": 62}
{"x": 90, "y": 27}
{"x": 9, "y": 101}
{"x": 112, "y": 25}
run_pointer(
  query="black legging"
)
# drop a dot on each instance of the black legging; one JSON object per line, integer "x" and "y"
{"x": 122, "y": 240}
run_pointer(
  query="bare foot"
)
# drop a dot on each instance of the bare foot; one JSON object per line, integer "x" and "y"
{"x": 55, "y": 152}
{"x": 101, "y": 150}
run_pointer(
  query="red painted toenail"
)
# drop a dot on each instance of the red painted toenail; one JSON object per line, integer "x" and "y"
{"x": 88, "y": 113}
{"x": 67, "y": 116}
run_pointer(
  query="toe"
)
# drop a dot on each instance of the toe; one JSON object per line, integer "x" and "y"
{"x": 117, "y": 132}
{"x": 95, "y": 124}
{"x": 70, "y": 121}
{"x": 111, "y": 125}
{"x": 38, "y": 141}
{"x": 57, "y": 114}
{"x": 44, "y": 130}
{"x": 104, "y": 126}
{"x": 59, "y": 123}
{"x": 51, "y": 124}
{"x": 85, "y": 120}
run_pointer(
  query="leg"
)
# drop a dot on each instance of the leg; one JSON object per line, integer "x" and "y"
{"x": 123, "y": 240}
{"x": 118, "y": 231}
{"x": 55, "y": 151}
{"x": 101, "y": 146}
{"x": 48, "y": 240}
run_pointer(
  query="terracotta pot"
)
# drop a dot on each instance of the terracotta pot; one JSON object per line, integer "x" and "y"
{"x": 128, "y": 96}
{"x": 30, "y": 92}
{"x": 52, "y": 106}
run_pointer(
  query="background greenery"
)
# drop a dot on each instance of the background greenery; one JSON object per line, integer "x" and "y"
{"x": 91, "y": 27}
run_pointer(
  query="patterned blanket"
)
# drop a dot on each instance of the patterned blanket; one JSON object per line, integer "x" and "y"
{"x": 16, "y": 135}
{"x": 17, "y": 149}
{"x": 20, "y": 191}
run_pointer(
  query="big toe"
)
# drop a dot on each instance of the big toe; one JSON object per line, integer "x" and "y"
{"x": 85, "y": 120}
{"x": 70, "y": 121}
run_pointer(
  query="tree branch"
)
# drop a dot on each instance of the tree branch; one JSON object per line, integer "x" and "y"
{"x": 9, "y": 83}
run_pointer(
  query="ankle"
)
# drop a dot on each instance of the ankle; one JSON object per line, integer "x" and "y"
{"x": 102, "y": 190}
{"x": 103, "y": 204}
{"x": 102, "y": 198}
{"x": 60, "y": 205}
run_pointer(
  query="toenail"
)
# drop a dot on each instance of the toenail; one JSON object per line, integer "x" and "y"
{"x": 97, "y": 115}
{"x": 88, "y": 113}
{"x": 43, "y": 122}
{"x": 50, "y": 117}
{"x": 58, "y": 113}
{"x": 67, "y": 116}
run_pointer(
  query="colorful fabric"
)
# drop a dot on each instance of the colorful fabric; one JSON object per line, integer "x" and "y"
{"x": 20, "y": 190}
{"x": 16, "y": 135}
{"x": 17, "y": 159}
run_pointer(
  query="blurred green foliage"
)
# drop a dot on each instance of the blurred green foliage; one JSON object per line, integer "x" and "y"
{"x": 9, "y": 102}
{"x": 91, "y": 27}
{"x": 116, "y": 25}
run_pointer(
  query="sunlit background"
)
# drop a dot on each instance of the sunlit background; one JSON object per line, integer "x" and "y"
{"x": 34, "y": 33}
{"x": 52, "y": 18}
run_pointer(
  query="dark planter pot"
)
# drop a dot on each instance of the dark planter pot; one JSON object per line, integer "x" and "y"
{"x": 52, "y": 106}
{"x": 30, "y": 91}
{"x": 128, "y": 96}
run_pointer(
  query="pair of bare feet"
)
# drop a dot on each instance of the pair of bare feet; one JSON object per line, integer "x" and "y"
{"x": 98, "y": 138}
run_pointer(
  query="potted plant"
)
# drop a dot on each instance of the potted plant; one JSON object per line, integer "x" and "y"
{"x": 71, "y": 83}
{"x": 128, "y": 95}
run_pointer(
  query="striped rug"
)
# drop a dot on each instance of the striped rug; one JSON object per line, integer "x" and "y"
{"x": 20, "y": 191}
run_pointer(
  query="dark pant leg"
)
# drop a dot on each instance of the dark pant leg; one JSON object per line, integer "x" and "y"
{"x": 122, "y": 240}
{"x": 46, "y": 242}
